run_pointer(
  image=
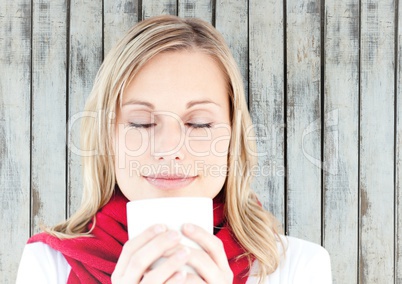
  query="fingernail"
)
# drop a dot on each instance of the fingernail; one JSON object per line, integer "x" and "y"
{"x": 189, "y": 228}
{"x": 159, "y": 229}
{"x": 174, "y": 235}
{"x": 182, "y": 253}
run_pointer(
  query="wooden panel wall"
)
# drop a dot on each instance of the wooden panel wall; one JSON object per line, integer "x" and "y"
{"x": 398, "y": 158}
{"x": 341, "y": 137}
{"x": 48, "y": 120}
{"x": 323, "y": 81}
{"x": 303, "y": 118}
{"x": 267, "y": 101}
{"x": 85, "y": 49}
{"x": 15, "y": 126}
{"x": 377, "y": 138}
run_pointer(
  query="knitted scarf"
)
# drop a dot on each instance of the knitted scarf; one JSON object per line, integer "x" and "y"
{"x": 93, "y": 259}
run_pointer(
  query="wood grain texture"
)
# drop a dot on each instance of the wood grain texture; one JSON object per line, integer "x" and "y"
{"x": 341, "y": 137}
{"x": 119, "y": 17}
{"x": 377, "y": 142}
{"x": 398, "y": 157}
{"x": 304, "y": 119}
{"x": 15, "y": 114}
{"x": 48, "y": 113}
{"x": 231, "y": 20}
{"x": 266, "y": 101}
{"x": 84, "y": 61}
{"x": 196, "y": 9}
{"x": 153, "y": 8}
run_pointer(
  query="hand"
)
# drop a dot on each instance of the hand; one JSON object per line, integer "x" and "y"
{"x": 210, "y": 263}
{"x": 141, "y": 252}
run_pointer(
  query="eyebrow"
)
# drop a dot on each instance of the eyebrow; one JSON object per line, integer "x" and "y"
{"x": 193, "y": 103}
{"x": 137, "y": 102}
{"x": 151, "y": 106}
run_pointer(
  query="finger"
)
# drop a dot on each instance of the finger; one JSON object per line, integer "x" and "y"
{"x": 178, "y": 278}
{"x": 206, "y": 268}
{"x": 210, "y": 243}
{"x": 134, "y": 244}
{"x": 194, "y": 279}
{"x": 140, "y": 260}
{"x": 147, "y": 235}
{"x": 171, "y": 251}
{"x": 169, "y": 270}
{"x": 150, "y": 252}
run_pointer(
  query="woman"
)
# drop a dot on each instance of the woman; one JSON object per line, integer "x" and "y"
{"x": 172, "y": 109}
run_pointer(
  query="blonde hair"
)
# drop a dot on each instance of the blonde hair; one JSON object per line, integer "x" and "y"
{"x": 145, "y": 40}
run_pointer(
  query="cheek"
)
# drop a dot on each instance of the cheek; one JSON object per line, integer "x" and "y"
{"x": 131, "y": 143}
{"x": 198, "y": 142}
{"x": 220, "y": 143}
{"x": 131, "y": 146}
{"x": 221, "y": 146}
{"x": 209, "y": 142}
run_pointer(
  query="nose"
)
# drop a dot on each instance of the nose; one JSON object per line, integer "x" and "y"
{"x": 168, "y": 140}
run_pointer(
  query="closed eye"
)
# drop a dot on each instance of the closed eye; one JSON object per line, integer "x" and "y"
{"x": 200, "y": 125}
{"x": 141, "y": 125}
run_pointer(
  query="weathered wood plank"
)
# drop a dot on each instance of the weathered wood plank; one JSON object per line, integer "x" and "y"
{"x": 154, "y": 8}
{"x": 266, "y": 101}
{"x": 304, "y": 119}
{"x": 398, "y": 158}
{"x": 119, "y": 17}
{"x": 85, "y": 59}
{"x": 231, "y": 19}
{"x": 15, "y": 114}
{"x": 48, "y": 113}
{"x": 198, "y": 9}
{"x": 377, "y": 142}
{"x": 341, "y": 137}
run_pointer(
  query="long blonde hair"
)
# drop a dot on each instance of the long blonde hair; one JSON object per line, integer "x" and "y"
{"x": 145, "y": 40}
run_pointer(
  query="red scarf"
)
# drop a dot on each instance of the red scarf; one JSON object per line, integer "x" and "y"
{"x": 93, "y": 259}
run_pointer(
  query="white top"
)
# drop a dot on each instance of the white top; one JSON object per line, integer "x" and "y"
{"x": 303, "y": 263}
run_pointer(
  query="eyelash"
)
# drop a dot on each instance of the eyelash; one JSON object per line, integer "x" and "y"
{"x": 200, "y": 125}
{"x": 193, "y": 125}
{"x": 137, "y": 125}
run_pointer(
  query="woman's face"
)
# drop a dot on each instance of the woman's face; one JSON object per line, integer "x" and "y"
{"x": 173, "y": 129}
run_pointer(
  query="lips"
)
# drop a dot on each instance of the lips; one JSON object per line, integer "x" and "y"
{"x": 170, "y": 182}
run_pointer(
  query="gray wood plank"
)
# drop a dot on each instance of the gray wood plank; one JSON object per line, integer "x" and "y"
{"x": 154, "y": 8}
{"x": 85, "y": 59}
{"x": 48, "y": 113}
{"x": 231, "y": 19}
{"x": 196, "y": 9}
{"x": 266, "y": 101}
{"x": 303, "y": 120}
{"x": 119, "y": 17}
{"x": 341, "y": 138}
{"x": 398, "y": 158}
{"x": 15, "y": 114}
{"x": 377, "y": 142}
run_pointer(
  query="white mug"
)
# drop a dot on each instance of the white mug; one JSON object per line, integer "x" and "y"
{"x": 173, "y": 212}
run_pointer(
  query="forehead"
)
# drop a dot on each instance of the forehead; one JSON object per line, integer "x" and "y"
{"x": 178, "y": 76}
